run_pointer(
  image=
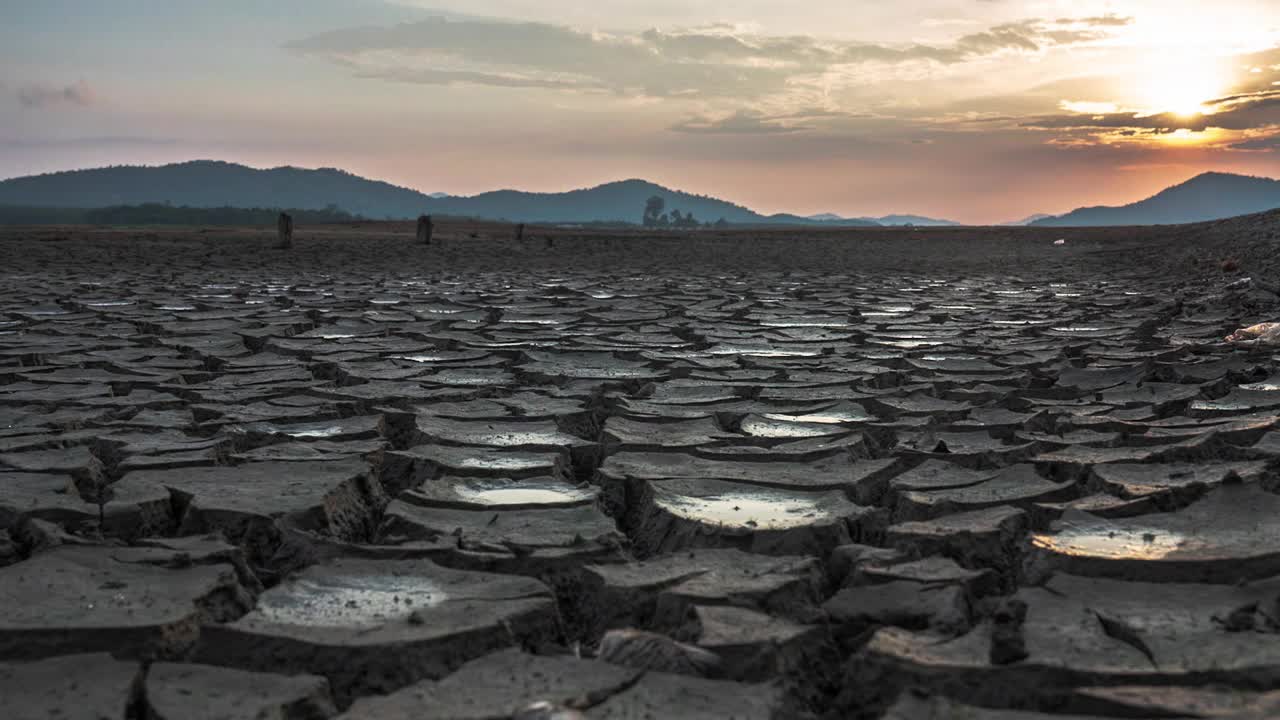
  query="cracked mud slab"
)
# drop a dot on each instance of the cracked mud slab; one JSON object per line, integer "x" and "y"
{"x": 99, "y": 599}
{"x": 374, "y": 626}
{"x": 202, "y": 692}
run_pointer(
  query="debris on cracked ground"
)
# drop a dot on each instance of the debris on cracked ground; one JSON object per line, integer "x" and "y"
{"x": 1267, "y": 333}
{"x": 653, "y": 651}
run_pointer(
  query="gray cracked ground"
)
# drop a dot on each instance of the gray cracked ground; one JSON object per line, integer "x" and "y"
{"x": 239, "y": 483}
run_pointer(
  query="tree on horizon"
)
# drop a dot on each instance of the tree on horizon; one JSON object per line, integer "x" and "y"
{"x": 653, "y": 208}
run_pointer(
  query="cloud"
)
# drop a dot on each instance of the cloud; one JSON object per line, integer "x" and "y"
{"x": 1090, "y": 108}
{"x": 710, "y": 62}
{"x": 753, "y": 122}
{"x": 743, "y": 122}
{"x": 1244, "y": 112}
{"x": 1260, "y": 143}
{"x": 86, "y": 142}
{"x": 44, "y": 96}
{"x": 1099, "y": 21}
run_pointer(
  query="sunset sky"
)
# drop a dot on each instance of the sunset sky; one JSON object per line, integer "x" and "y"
{"x": 975, "y": 110}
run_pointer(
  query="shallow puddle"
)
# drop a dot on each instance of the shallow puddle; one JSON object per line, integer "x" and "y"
{"x": 746, "y": 510}
{"x": 352, "y": 601}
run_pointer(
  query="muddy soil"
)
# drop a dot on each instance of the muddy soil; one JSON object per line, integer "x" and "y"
{"x": 890, "y": 473}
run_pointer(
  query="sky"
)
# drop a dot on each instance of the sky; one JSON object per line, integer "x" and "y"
{"x": 980, "y": 111}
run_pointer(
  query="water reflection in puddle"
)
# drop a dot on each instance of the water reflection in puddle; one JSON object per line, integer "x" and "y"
{"x": 518, "y": 495}
{"x": 830, "y": 417}
{"x": 1115, "y": 543}
{"x": 775, "y": 427}
{"x": 756, "y": 511}
{"x": 315, "y": 432}
{"x": 761, "y": 351}
{"x": 352, "y": 601}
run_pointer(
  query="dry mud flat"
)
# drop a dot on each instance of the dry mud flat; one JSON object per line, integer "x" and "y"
{"x": 387, "y": 481}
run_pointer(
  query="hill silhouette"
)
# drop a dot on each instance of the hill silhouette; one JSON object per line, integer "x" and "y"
{"x": 208, "y": 183}
{"x": 916, "y": 220}
{"x": 1209, "y": 196}
{"x": 889, "y": 220}
{"x": 205, "y": 183}
{"x": 1029, "y": 220}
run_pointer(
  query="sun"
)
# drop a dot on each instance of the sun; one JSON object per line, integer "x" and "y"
{"x": 1183, "y": 87}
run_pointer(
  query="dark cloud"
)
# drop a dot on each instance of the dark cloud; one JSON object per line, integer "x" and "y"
{"x": 707, "y": 62}
{"x": 43, "y": 96}
{"x": 1266, "y": 143}
{"x": 1248, "y": 111}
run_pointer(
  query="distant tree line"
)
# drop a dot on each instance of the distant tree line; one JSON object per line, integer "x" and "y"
{"x": 24, "y": 215}
{"x": 656, "y": 217}
{"x": 164, "y": 214}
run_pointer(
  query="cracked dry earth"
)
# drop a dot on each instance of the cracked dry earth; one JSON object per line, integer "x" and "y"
{"x": 302, "y": 491}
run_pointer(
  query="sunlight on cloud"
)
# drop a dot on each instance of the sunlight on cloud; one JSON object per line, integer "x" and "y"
{"x": 1085, "y": 107}
{"x": 1210, "y": 137}
{"x": 722, "y": 61}
{"x": 1184, "y": 86}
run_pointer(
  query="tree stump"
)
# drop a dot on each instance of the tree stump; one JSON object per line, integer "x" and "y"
{"x": 426, "y": 229}
{"x": 284, "y": 231}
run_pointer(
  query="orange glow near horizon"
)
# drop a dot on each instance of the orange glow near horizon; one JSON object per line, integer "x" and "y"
{"x": 1189, "y": 138}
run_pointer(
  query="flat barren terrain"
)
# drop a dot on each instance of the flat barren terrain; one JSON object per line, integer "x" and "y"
{"x": 898, "y": 473}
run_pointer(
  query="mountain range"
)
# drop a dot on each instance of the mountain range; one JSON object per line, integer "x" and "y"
{"x": 888, "y": 220}
{"x": 1028, "y": 220}
{"x": 1209, "y": 196}
{"x": 207, "y": 183}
